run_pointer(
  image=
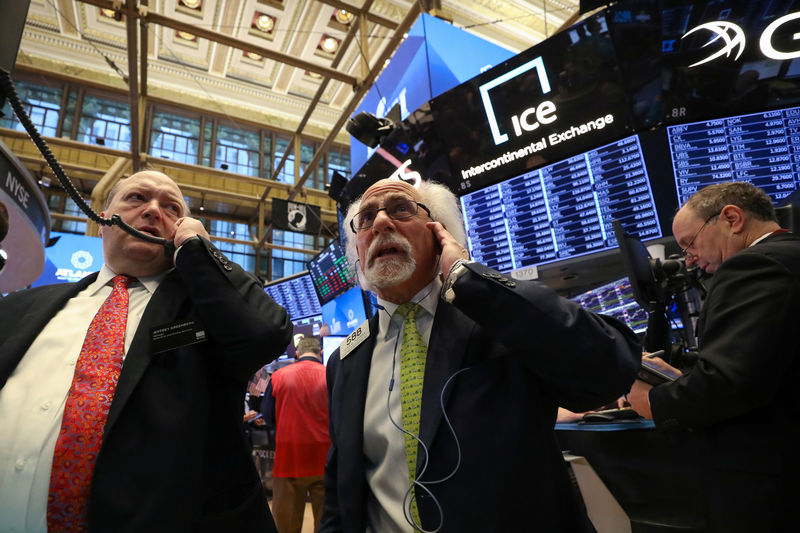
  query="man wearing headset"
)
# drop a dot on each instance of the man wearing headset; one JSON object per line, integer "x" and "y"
{"x": 497, "y": 357}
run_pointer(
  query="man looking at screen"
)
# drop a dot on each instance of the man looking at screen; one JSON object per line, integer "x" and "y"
{"x": 740, "y": 395}
{"x": 442, "y": 405}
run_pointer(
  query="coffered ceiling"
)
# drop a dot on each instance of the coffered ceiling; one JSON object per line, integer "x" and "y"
{"x": 297, "y": 65}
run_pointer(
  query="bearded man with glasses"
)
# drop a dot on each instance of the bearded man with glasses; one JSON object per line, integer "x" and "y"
{"x": 739, "y": 397}
{"x": 442, "y": 405}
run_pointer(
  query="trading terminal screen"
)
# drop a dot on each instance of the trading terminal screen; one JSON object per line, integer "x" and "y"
{"x": 562, "y": 210}
{"x": 331, "y": 273}
{"x": 761, "y": 148}
{"x": 296, "y": 293}
{"x": 615, "y": 299}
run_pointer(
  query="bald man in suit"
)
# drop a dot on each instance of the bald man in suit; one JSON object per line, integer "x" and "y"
{"x": 172, "y": 454}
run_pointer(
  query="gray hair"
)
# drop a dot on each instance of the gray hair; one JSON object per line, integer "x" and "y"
{"x": 444, "y": 206}
{"x": 711, "y": 199}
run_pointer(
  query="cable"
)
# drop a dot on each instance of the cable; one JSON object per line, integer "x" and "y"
{"x": 10, "y": 91}
{"x": 422, "y": 485}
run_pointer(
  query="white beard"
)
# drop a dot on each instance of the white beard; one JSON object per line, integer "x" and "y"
{"x": 389, "y": 272}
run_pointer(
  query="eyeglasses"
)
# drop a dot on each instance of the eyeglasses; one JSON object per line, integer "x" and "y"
{"x": 397, "y": 209}
{"x": 685, "y": 250}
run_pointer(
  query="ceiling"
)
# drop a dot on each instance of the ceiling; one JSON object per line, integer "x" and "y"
{"x": 285, "y": 77}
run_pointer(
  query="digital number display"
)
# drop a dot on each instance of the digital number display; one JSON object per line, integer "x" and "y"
{"x": 761, "y": 148}
{"x": 562, "y": 210}
{"x": 331, "y": 272}
{"x": 297, "y": 295}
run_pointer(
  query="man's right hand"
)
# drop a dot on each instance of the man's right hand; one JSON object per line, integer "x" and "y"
{"x": 452, "y": 251}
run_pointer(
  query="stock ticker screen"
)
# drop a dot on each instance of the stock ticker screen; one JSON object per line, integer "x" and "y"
{"x": 761, "y": 148}
{"x": 331, "y": 273}
{"x": 562, "y": 210}
{"x": 295, "y": 293}
{"x": 615, "y": 299}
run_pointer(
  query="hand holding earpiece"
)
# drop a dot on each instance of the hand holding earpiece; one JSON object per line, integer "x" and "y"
{"x": 451, "y": 250}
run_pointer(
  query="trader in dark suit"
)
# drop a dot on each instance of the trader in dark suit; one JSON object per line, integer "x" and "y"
{"x": 740, "y": 397}
{"x": 170, "y": 453}
{"x": 499, "y": 356}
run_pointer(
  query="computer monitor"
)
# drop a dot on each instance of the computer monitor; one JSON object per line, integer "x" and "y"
{"x": 296, "y": 293}
{"x": 331, "y": 273}
{"x": 615, "y": 299}
{"x": 343, "y": 314}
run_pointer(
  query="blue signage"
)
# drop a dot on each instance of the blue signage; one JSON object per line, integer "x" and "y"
{"x": 71, "y": 258}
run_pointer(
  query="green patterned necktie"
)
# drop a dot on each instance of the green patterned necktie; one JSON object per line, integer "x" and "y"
{"x": 412, "y": 372}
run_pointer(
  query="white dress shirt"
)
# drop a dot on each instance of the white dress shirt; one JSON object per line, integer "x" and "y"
{"x": 384, "y": 444}
{"x": 32, "y": 400}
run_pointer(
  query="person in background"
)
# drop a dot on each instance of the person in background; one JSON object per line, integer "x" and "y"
{"x": 739, "y": 396}
{"x": 442, "y": 406}
{"x": 121, "y": 394}
{"x": 296, "y": 404}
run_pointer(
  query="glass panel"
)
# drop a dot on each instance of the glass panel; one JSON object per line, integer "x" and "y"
{"x": 105, "y": 123}
{"x": 237, "y": 151}
{"x": 287, "y": 172}
{"x": 286, "y": 263}
{"x": 175, "y": 137}
{"x": 42, "y": 103}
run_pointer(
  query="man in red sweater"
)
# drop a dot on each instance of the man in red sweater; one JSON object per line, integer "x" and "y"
{"x": 296, "y": 404}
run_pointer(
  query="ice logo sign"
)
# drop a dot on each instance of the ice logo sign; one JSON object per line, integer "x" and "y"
{"x": 527, "y": 120}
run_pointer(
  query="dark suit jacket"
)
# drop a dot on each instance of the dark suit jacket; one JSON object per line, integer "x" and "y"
{"x": 527, "y": 351}
{"x": 741, "y": 395}
{"x": 173, "y": 456}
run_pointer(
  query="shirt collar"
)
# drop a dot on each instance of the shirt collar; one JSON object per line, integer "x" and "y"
{"x": 767, "y": 235}
{"x": 427, "y": 298}
{"x": 150, "y": 283}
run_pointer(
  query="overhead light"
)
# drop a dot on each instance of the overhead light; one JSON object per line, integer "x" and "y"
{"x": 254, "y": 56}
{"x": 264, "y": 22}
{"x": 343, "y": 16}
{"x": 328, "y": 44}
{"x": 202, "y": 203}
{"x": 186, "y": 36}
{"x": 192, "y": 4}
{"x": 369, "y": 129}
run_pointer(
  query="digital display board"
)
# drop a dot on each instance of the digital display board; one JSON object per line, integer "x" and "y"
{"x": 331, "y": 273}
{"x": 295, "y": 293}
{"x": 761, "y": 148}
{"x": 559, "y": 98}
{"x": 562, "y": 210}
{"x": 615, "y": 299}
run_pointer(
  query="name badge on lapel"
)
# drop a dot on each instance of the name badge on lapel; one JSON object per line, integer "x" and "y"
{"x": 354, "y": 339}
{"x": 181, "y": 333}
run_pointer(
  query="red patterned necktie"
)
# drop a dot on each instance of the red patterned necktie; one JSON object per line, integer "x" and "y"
{"x": 85, "y": 413}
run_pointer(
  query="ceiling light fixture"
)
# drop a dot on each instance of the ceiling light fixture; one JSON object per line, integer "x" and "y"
{"x": 343, "y": 16}
{"x": 328, "y": 44}
{"x": 264, "y": 23}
